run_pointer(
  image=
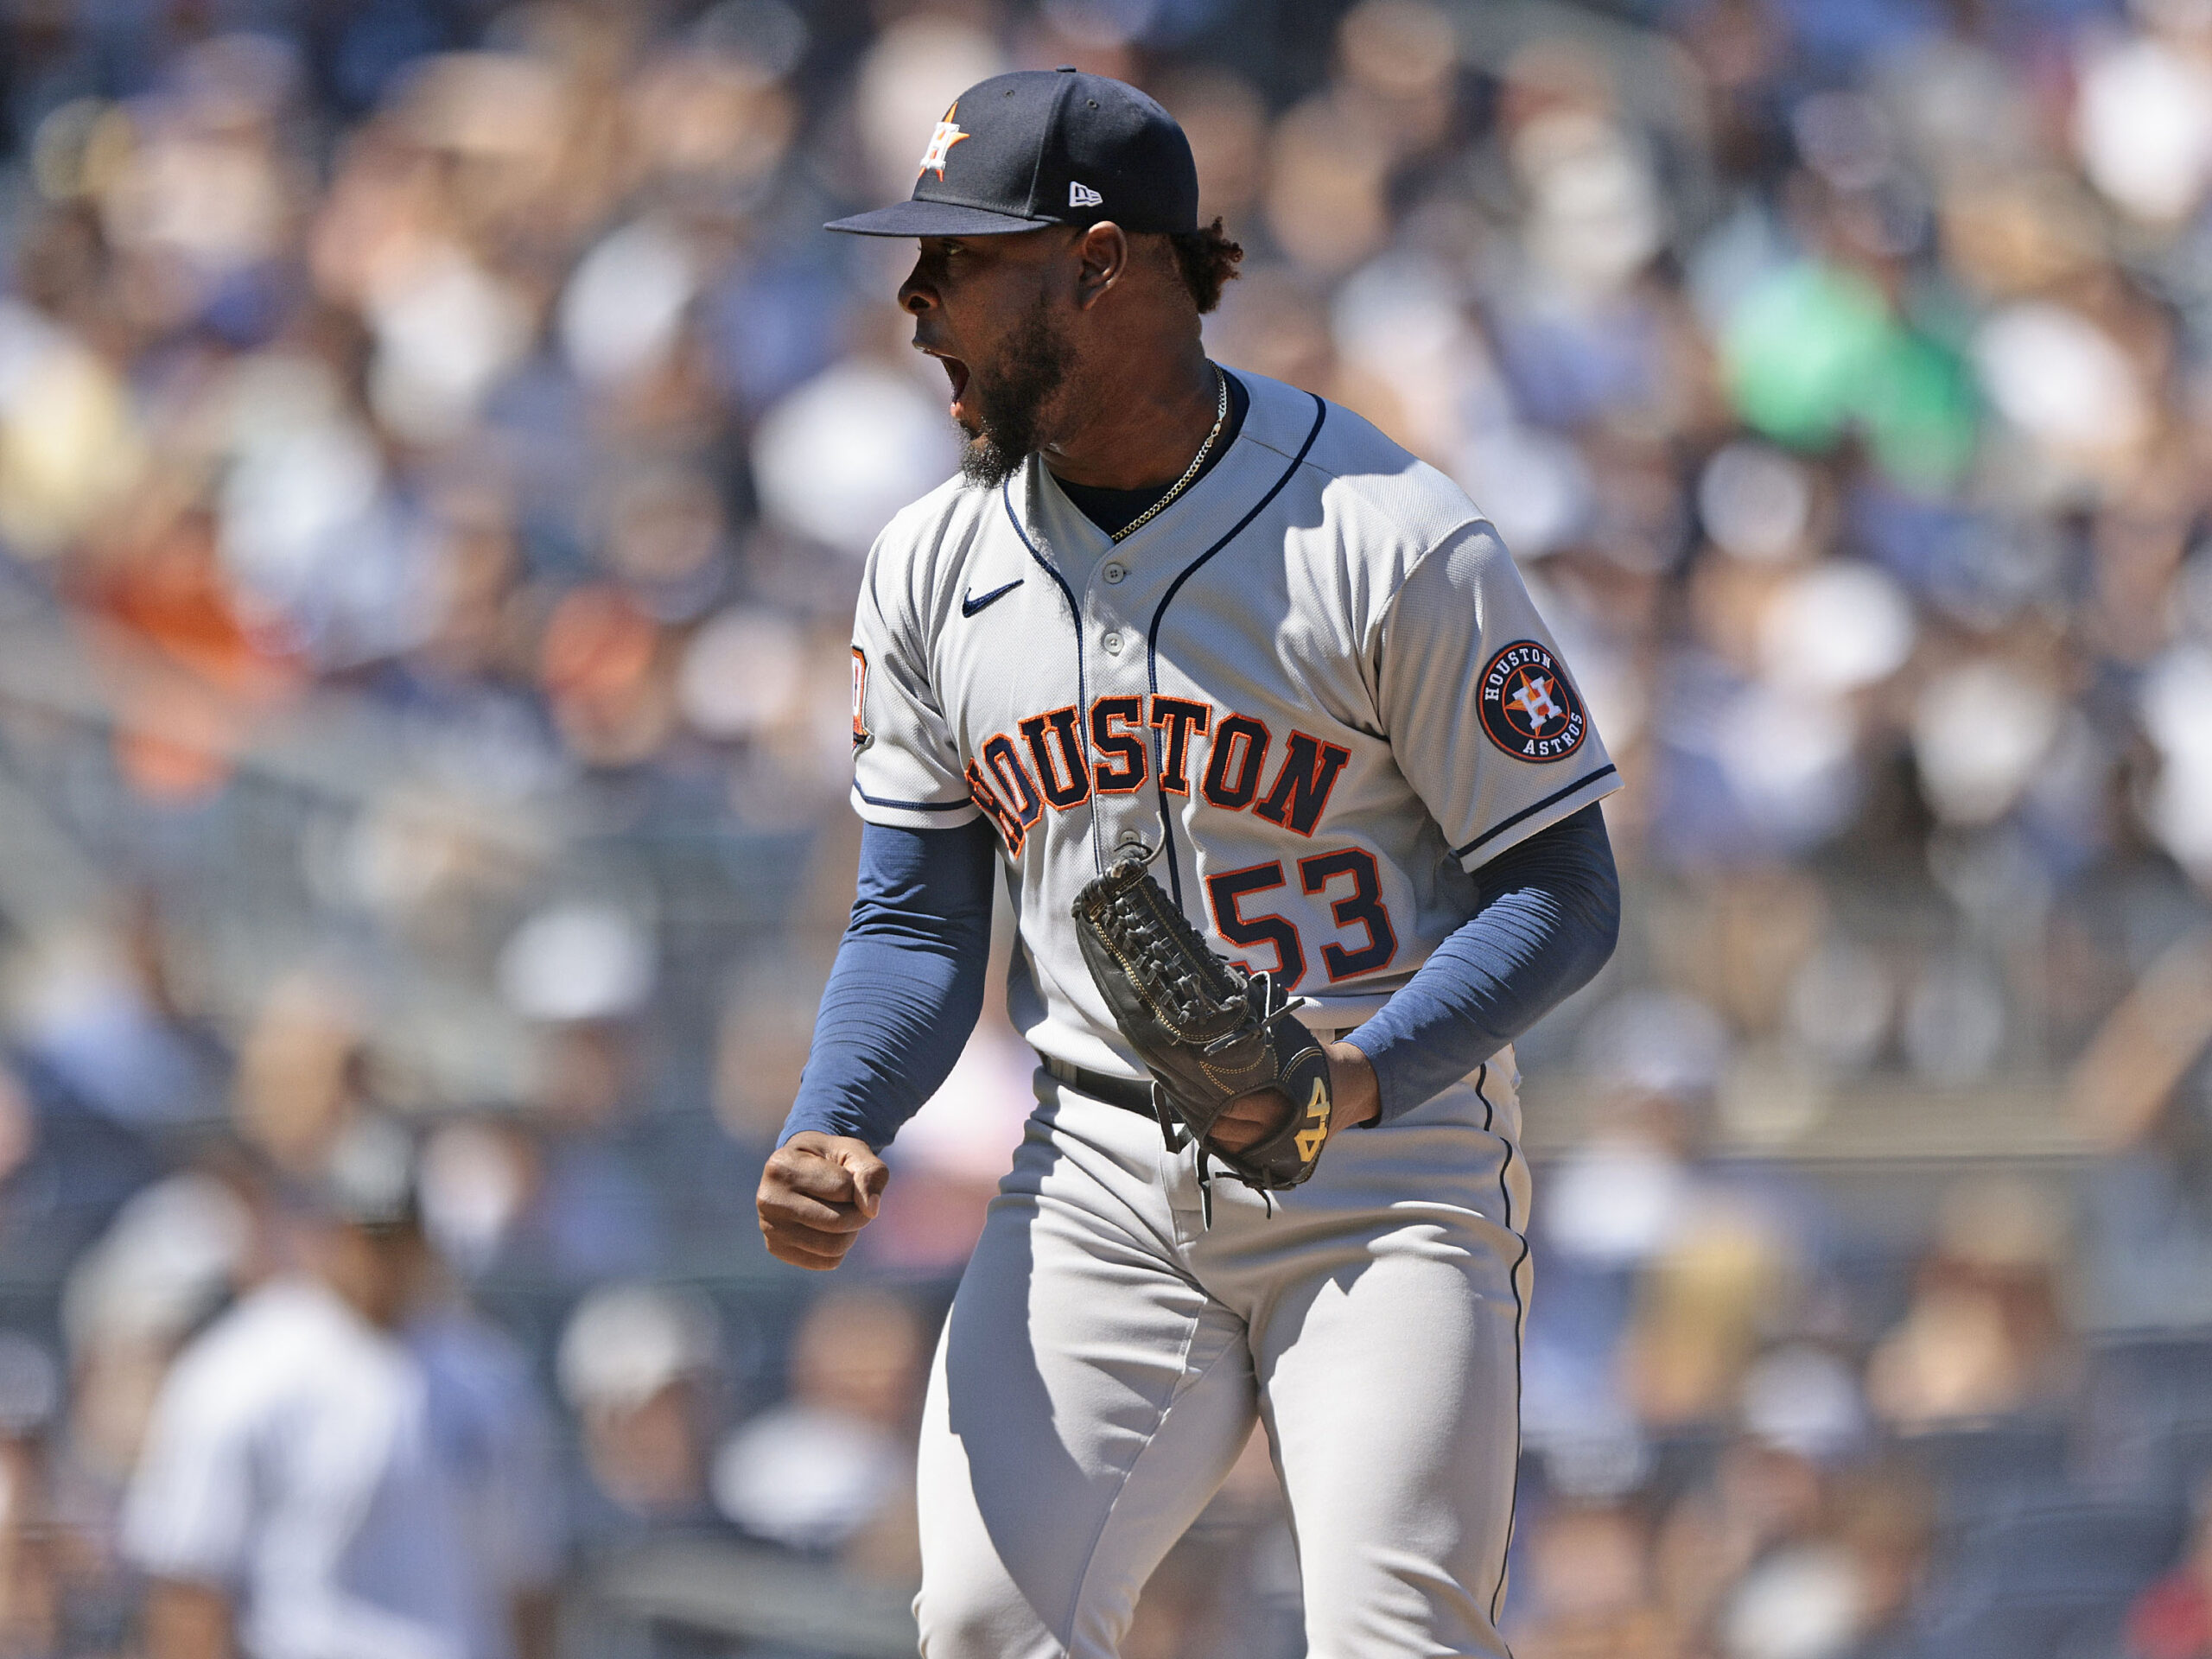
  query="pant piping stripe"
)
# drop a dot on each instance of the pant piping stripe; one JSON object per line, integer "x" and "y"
{"x": 1520, "y": 1313}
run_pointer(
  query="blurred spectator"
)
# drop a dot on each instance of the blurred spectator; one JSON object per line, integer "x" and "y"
{"x": 176, "y": 1256}
{"x": 2139, "y": 1090}
{"x": 1763, "y": 1503}
{"x": 581, "y": 973}
{"x": 1885, "y": 1520}
{"x": 88, "y": 1014}
{"x": 639, "y": 1366}
{"x": 588, "y": 1212}
{"x": 1705, "y": 1298}
{"x": 2173, "y": 1618}
{"x": 831, "y": 1469}
{"x": 1587, "y": 1573}
{"x": 1628, "y": 1194}
{"x": 300, "y": 1071}
{"x": 473, "y": 1184}
{"x": 337, "y": 1465}
{"x": 31, "y": 1566}
{"x": 1986, "y": 1334}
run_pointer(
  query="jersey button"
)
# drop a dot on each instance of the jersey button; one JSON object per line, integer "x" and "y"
{"x": 1113, "y": 643}
{"x": 1114, "y": 573}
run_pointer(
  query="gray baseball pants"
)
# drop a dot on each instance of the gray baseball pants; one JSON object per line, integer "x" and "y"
{"x": 1106, "y": 1355}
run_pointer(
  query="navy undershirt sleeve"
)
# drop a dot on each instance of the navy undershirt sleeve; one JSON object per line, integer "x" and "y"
{"x": 1547, "y": 917}
{"x": 908, "y": 982}
{"x": 907, "y": 985}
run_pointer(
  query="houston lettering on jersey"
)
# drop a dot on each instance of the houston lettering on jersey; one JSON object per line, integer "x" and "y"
{"x": 1046, "y": 762}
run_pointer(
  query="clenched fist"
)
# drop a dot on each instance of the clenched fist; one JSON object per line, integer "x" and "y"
{"x": 816, "y": 1192}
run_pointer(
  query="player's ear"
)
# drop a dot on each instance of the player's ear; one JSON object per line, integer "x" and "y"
{"x": 1103, "y": 253}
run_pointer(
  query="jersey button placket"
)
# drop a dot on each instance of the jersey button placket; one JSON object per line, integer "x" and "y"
{"x": 1126, "y": 820}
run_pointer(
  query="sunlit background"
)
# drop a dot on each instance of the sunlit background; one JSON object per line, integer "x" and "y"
{"x": 437, "y": 449}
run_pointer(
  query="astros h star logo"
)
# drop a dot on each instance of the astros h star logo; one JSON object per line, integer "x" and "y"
{"x": 1528, "y": 710}
{"x": 941, "y": 143}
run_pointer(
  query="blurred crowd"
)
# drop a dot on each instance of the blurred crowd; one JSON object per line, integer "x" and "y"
{"x": 437, "y": 447}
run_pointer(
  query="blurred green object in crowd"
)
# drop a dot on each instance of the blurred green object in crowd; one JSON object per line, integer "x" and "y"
{"x": 1918, "y": 410}
{"x": 1814, "y": 353}
{"x": 1798, "y": 348}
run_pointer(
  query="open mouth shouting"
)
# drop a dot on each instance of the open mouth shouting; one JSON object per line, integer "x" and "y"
{"x": 956, "y": 372}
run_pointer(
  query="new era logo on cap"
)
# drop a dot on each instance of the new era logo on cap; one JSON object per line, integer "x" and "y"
{"x": 1044, "y": 147}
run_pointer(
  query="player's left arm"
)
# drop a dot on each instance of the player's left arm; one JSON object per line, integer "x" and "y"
{"x": 1489, "y": 727}
{"x": 1547, "y": 919}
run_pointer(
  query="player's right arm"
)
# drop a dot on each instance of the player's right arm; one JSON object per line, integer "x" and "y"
{"x": 904, "y": 994}
{"x": 908, "y": 982}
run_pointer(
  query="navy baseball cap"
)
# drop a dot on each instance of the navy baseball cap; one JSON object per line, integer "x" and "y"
{"x": 1044, "y": 147}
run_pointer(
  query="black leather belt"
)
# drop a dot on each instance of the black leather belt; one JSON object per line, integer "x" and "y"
{"x": 1130, "y": 1094}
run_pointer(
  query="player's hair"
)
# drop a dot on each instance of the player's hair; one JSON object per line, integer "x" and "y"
{"x": 1207, "y": 259}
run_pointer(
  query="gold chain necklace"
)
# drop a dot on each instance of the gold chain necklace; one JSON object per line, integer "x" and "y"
{"x": 1220, "y": 415}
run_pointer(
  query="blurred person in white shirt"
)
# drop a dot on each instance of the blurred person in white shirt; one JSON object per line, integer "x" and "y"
{"x": 639, "y": 1365}
{"x": 346, "y": 1465}
{"x": 829, "y": 1469}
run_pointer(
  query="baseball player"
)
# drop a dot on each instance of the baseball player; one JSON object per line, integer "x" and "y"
{"x": 1179, "y": 625}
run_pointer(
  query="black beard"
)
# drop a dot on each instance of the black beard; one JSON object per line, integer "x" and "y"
{"x": 1010, "y": 402}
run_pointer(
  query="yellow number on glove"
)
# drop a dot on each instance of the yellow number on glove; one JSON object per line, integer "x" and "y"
{"x": 1310, "y": 1142}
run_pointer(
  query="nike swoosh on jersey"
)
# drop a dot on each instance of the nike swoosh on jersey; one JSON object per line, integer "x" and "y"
{"x": 969, "y": 605}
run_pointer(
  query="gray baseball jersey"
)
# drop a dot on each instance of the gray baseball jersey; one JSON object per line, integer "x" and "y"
{"x": 1316, "y": 677}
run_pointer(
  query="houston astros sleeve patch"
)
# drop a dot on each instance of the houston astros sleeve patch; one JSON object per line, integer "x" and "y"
{"x": 1467, "y": 648}
{"x": 1527, "y": 707}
